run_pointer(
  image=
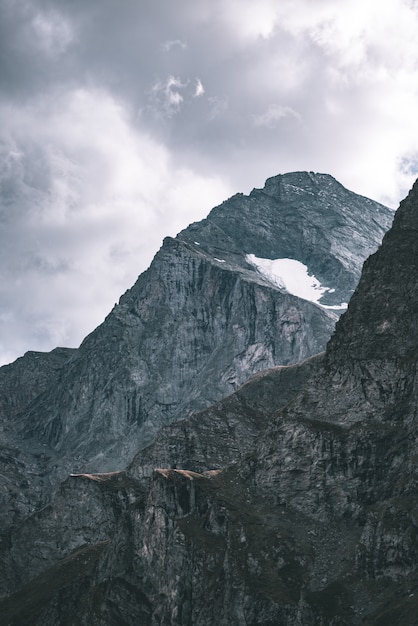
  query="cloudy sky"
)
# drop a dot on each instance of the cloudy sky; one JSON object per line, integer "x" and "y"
{"x": 122, "y": 121}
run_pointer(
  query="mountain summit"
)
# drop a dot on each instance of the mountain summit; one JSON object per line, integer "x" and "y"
{"x": 215, "y": 534}
{"x": 315, "y": 524}
{"x": 303, "y": 216}
{"x": 206, "y": 316}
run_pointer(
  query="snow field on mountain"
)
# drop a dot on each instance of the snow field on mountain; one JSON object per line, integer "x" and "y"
{"x": 293, "y": 277}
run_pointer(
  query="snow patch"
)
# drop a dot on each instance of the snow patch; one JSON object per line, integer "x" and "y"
{"x": 219, "y": 260}
{"x": 293, "y": 277}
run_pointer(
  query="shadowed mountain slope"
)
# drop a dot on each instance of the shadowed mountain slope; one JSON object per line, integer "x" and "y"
{"x": 313, "y": 522}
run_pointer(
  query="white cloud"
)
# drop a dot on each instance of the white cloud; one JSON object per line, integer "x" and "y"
{"x": 325, "y": 86}
{"x": 218, "y": 105}
{"x": 166, "y": 96}
{"x": 359, "y": 34}
{"x": 350, "y": 71}
{"x": 199, "y": 89}
{"x": 250, "y": 19}
{"x": 53, "y": 32}
{"x": 174, "y": 43}
{"x": 86, "y": 214}
{"x": 273, "y": 115}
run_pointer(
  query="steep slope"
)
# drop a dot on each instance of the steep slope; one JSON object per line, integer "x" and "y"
{"x": 331, "y": 484}
{"x": 304, "y": 216}
{"x": 315, "y": 524}
{"x": 188, "y": 333}
{"x": 23, "y": 469}
{"x": 39, "y": 370}
{"x": 202, "y": 320}
{"x": 221, "y": 434}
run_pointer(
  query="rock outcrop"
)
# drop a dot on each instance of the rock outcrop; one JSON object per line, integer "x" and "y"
{"x": 25, "y": 469}
{"x": 202, "y": 320}
{"x": 290, "y": 501}
{"x": 29, "y": 376}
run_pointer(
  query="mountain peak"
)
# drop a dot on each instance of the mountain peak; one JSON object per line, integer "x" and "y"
{"x": 301, "y": 179}
{"x": 307, "y": 217}
{"x": 303, "y": 516}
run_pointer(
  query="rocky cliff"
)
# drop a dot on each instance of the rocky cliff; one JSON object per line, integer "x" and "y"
{"x": 313, "y": 522}
{"x": 202, "y": 320}
{"x": 286, "y": 502}
{"x": 24, "y": 469}
{"x": 38, "y": 370}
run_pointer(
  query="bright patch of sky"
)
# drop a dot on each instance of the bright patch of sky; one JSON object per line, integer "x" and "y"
{"x": 199, "y": 89}
{"x": 293, "y": 277}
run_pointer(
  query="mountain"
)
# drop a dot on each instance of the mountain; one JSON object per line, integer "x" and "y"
{"x": 24, "y": 469}
{"x": 203, "y": 319}
{"x": 190, "y": 543}
{"x": 39, "y": 370}
{"x": 195, "y": 326}
{"x": 304, "y": 216}
{"x": 314, "y": 521}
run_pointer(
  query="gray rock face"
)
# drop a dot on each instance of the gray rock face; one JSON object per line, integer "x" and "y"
{"x": 187, "y": 334}
{"x": 219, "y": 435}
{"x": 271, "y": 507}
{"x": 304, "y": 216}
{"x": 24, "y": 469}
{"x": 319, "y": 522}
{"x": 201, "y": 320}
{"x": 38, "y": 370}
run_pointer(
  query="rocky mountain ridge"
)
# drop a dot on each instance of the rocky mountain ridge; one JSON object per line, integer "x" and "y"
{"x": 319, "y": 223}
{"x": 201, "y": 320}
{"x": 270, "y": 507}
{"x": 315, "y": 523}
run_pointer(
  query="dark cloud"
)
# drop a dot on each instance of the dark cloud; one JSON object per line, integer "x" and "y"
{"x": 123, "y": 122}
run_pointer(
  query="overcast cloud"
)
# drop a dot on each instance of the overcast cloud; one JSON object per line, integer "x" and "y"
{"x": 122, "y": 122}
